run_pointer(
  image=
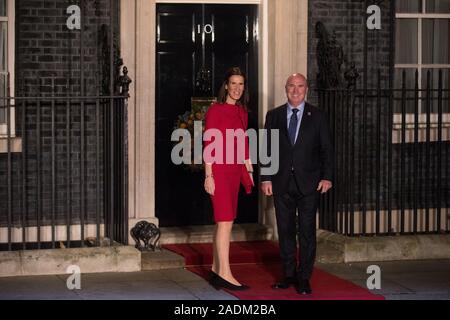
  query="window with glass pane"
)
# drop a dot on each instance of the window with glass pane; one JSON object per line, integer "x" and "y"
{"x": 3, "y": 48}
{"x": 429, "y": 22}
{"x": 406, "y": 41}
{"x": 3, "y": 8}
{"x": 408, "y": 6}
{"x": 435, "y": 41}
{"x": 3, "y": 102}
{"x": 438, "y": 6}
{"x": 3, "y": 66}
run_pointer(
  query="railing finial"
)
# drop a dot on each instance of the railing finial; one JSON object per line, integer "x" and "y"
{"x": 124, "y": 83}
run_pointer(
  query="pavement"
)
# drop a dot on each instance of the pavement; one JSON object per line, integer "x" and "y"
{"x": 399, "y": 280}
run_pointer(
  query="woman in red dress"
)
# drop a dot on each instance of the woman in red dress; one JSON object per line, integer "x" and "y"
{"x": 227, "y": 166}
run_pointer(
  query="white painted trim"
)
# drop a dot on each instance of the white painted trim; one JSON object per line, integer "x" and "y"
{"x": 423, "y": 66}
{"x": 10, "y": 43}
{"x": 419, "y": 41}
{"x": 15, "y": 145}
{"x": 422, "y": 16}
{"x": 11, "y": 46}
{"x": 90, "y": 230}
{"x": 128, "y": 40}
{"x": 422, "y": 133}
{"x": 395, "y": 216}
{"x": 419, "y": 57}
{"x": 138, "y": 53}
{"x": 422, "y": 126}
{"x": 422, "y": 120}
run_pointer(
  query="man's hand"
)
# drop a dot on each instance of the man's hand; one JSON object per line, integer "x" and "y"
{"x": 324, "y": 186}
{"x": 266, "y": 188}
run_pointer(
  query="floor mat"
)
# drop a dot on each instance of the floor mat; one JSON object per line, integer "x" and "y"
{"x": 257, "y": 264}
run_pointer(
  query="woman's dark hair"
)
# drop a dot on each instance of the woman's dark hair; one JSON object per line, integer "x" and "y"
{"x": 222, "y": 97}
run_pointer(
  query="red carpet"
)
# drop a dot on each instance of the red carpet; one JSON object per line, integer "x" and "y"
{"x": 257, "y": 265}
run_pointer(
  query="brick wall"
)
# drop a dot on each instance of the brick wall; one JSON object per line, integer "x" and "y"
{"x": 347, "y": 18}
{"x": 46, "y": 48}
{"x": 48, "y": 52}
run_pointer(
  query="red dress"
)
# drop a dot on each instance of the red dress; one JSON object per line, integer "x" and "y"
{"x": 227, "y": 174}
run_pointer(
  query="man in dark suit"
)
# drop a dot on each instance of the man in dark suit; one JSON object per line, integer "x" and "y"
{"x": 305, "y": 171}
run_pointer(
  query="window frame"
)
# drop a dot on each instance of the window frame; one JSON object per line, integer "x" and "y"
{"x": 10, "y": 44}
{"x": 419, "y": 16}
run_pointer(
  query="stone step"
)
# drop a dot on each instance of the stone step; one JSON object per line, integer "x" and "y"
{"x": 383, "y": 248}
{"x": 328, "y": 254}
{"x": 57, "y": 261}
{"x": 165, "y": 259}
{"x": 161, "y": 259}
{"x": 204, "y": 234}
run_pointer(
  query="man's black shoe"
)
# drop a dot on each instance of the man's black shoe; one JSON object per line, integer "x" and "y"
{"x": 304, "y": 287}
{"x": 285, "y": 283}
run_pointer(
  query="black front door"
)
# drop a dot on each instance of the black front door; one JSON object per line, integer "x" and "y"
{"x": 192, "y": 38}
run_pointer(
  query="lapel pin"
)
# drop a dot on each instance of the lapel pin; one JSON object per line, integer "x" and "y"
{"x": 309, "y": 113}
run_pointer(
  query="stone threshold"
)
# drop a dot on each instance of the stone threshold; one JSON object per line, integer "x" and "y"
{"x": 381, "y": 248}
{"x": 165, "y": 259}
{"x": 204, "y": 234}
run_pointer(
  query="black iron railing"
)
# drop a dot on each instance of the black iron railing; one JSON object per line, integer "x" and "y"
{"x": 63, "y": 170}
{"x": 392, "y": 149}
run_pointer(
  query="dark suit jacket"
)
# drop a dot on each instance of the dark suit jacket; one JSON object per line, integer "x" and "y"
{"x": 311, "y": 156}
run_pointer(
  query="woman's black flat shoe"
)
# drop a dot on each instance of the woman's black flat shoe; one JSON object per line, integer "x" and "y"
{"x": 219, "y": 282}
{"x": 212, "y": 275}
